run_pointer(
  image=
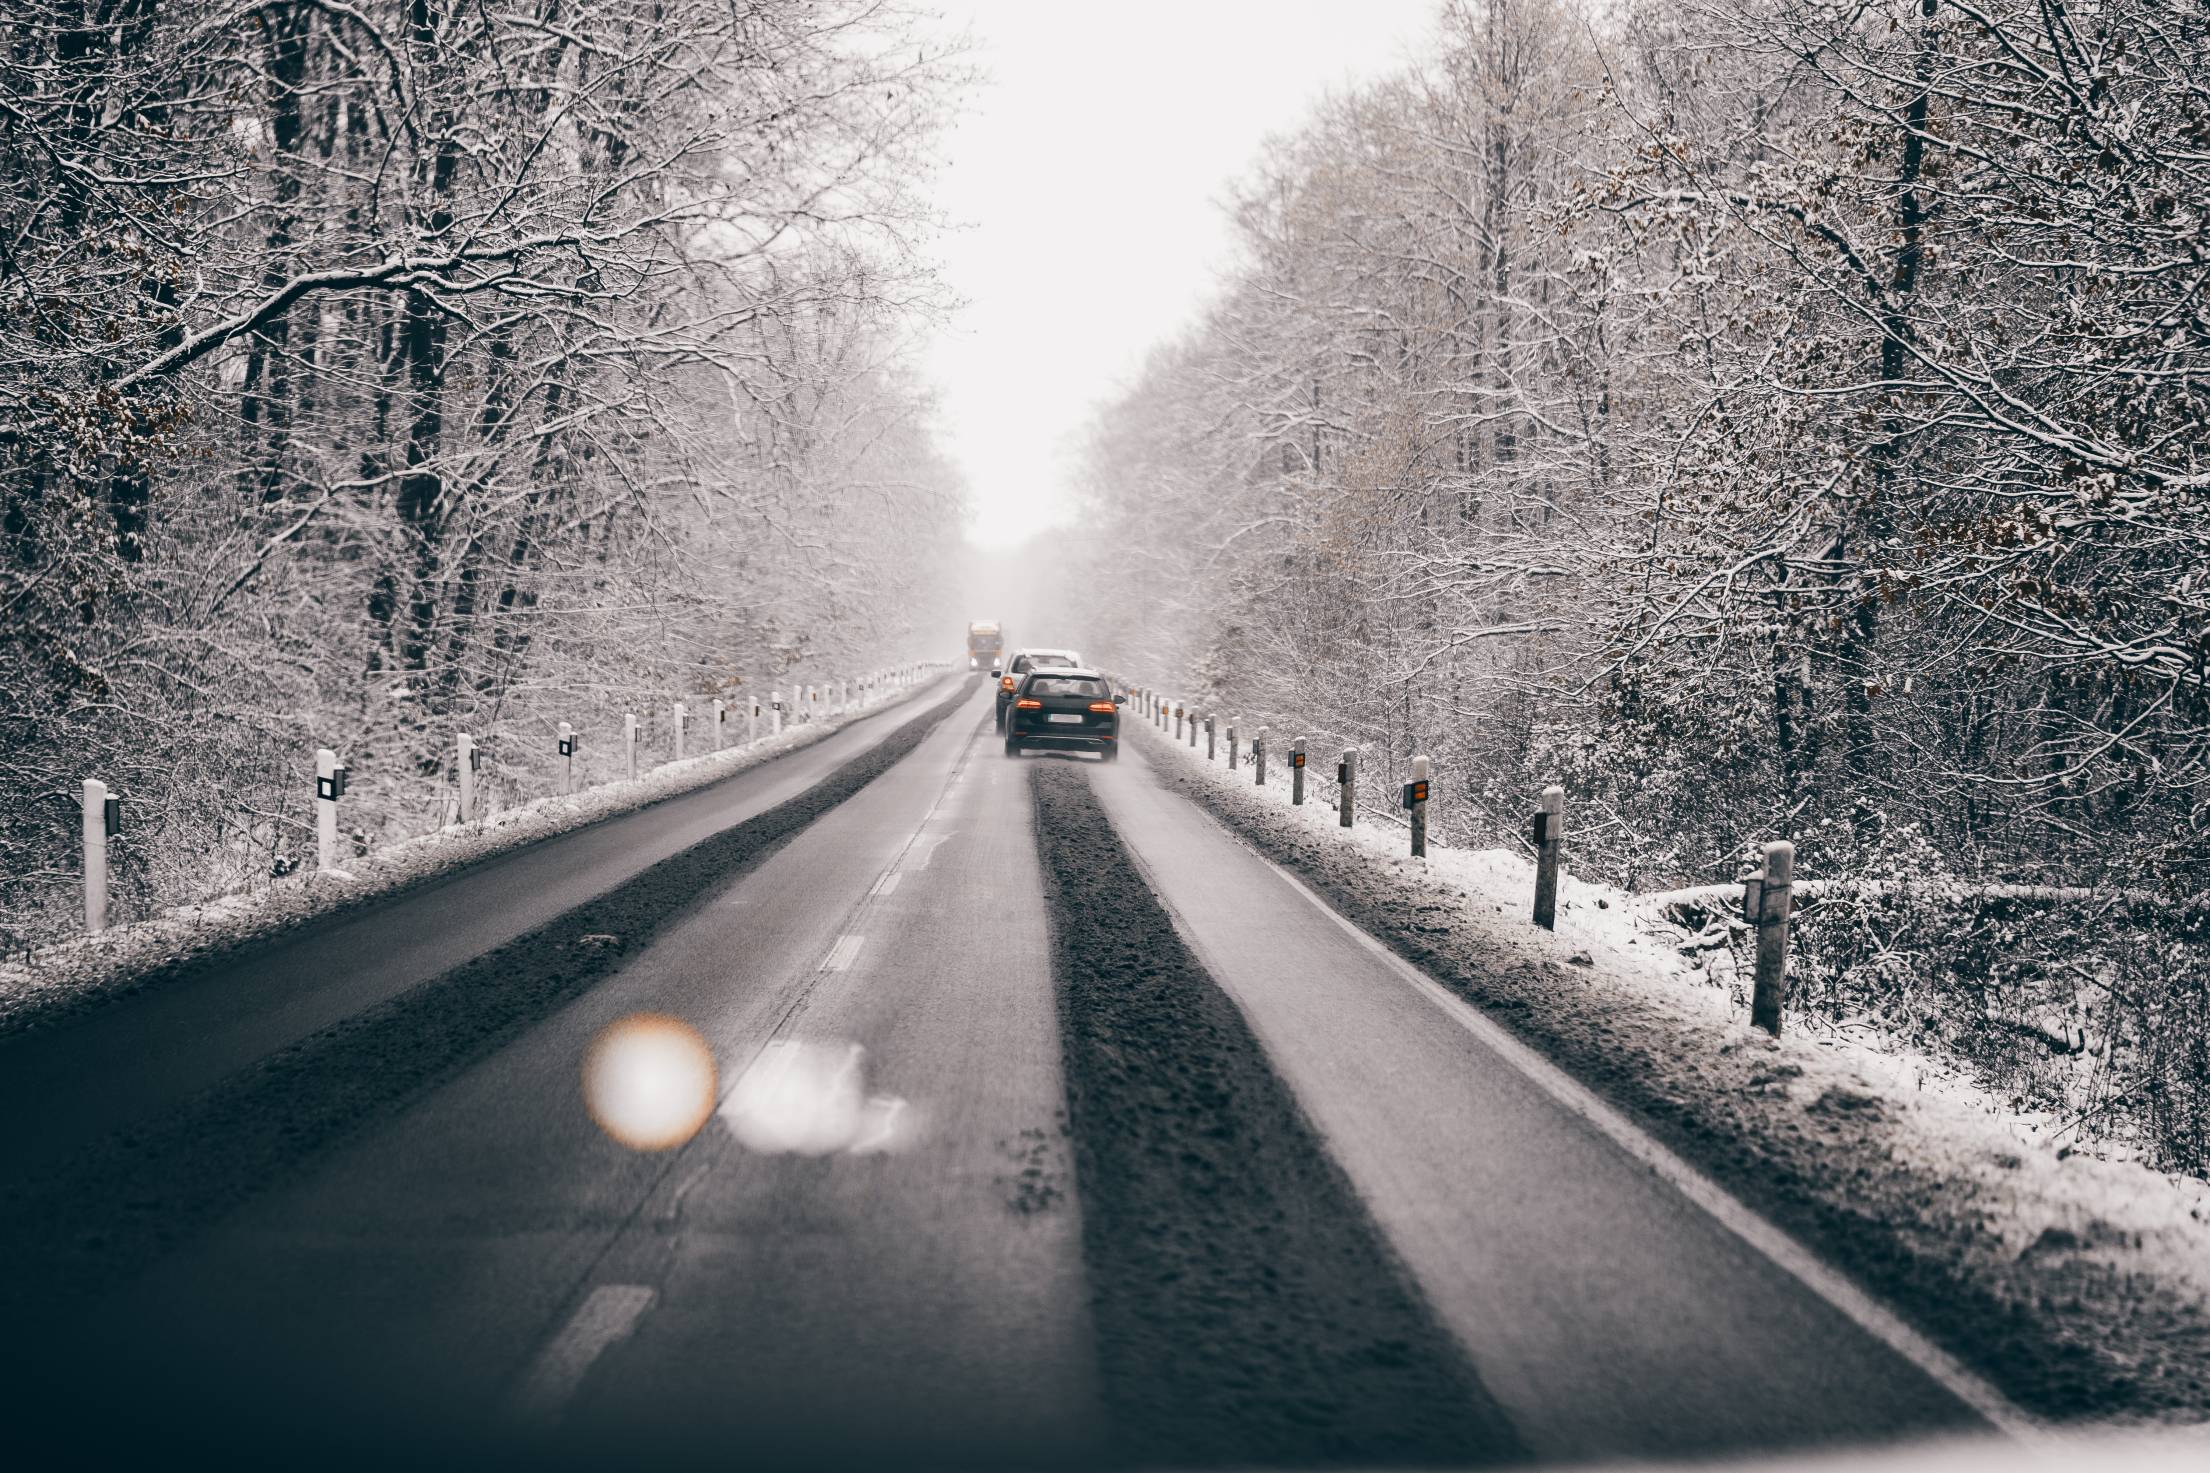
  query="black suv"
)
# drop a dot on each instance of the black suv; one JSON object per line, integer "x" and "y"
{"x": 1064, "y": 710}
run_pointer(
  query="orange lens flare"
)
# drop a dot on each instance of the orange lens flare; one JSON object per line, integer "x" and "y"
{"x": 648, "y": 1081}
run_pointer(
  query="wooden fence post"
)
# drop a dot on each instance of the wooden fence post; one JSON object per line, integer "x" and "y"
{"x": 1549, "y": 842}
{"x": 1775, "y": 897}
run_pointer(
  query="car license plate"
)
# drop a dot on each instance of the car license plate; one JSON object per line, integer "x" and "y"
{"x": 1065, "y": 718}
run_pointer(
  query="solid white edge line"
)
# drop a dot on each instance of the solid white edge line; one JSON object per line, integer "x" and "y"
{"x": 1729, "y": 1211}
{"x": 607, "y": 1314}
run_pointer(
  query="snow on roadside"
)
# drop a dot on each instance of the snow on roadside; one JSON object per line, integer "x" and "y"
{"x": 59, "y": 979}
{"x": 2020, "y": 1213}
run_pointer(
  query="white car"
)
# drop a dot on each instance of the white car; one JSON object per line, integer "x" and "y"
{"x": 1019, "y": 663}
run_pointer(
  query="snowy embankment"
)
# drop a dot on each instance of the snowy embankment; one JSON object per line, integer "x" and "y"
{"x": 2080, "y": 1286}
{"x": 56, "y": 980}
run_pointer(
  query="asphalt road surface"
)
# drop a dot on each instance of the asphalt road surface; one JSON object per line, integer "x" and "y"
{"x": 1050, "y": 1126}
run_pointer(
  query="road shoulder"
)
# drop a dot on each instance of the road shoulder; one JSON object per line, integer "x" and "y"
{"x": 2066, "y": 1332}
{"x": 59, "y": 984}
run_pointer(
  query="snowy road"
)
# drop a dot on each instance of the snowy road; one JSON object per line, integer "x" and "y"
{"x": 466, "y": 1257}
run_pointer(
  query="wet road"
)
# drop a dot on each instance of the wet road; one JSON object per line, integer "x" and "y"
{"x": 956, "y": 1267}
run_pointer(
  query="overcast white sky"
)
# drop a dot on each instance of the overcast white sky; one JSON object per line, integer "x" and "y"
{"x": 1085, "y": 180}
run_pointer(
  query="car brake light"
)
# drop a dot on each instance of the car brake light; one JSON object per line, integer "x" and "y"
{"x": 1005, "y": 682}
{"x": 1105, "y": 706}
{"x": 1028, "y": 703}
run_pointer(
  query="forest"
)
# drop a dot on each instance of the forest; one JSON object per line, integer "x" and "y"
{"x": 377, "y": 370}
{"x": 1767, "y": 419}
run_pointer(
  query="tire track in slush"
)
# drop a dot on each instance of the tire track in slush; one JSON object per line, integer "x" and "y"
{"x": 1247, "y": 1309}
{"x": 91, "y": 1222}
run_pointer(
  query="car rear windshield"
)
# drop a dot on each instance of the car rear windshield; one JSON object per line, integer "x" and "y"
{"x": 1060, "y": 685}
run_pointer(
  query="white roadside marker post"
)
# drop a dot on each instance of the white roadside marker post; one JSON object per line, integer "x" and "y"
{"x": 721, "y": 714}
{"x": 1415, "y": 798}
{"x": 1775, "y": 897}
{"x": 1212, "y": 748}
{"x": 1549, "y": 844}
{"x": 1231, "y": 744}
{"x": 326, "y": 809}
{"x": 629, "y": 744}
{"x": 1258, "y": 755}
{"x": 567, "y": 759}
{"x": 775, "y": 714}
{"x": 1297, "y": 771}
{"x": 1193, "y": 730}
{"x": 95, "y": 855}
{"x": 1346, "y": 773}
{"x": 679, "y": 713}
{"x": 464, "y": 767}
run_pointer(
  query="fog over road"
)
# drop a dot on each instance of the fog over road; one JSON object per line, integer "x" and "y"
{"x": 1070, "y": 1184}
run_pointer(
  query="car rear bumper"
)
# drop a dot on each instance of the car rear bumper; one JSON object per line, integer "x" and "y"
{"x": 1044, "y": 739}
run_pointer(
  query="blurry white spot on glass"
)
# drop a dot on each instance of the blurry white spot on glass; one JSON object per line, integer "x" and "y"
{"x": 648, "y": 1080}
{"x": 809, "y": 1098}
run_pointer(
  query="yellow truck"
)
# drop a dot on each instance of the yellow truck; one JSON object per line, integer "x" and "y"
{"x": 985, "y": 644}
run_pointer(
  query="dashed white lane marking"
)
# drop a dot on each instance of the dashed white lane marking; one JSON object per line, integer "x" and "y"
{"x": 608, "y": 1313}
{"x": 843, "y": 954}
{"x": 887, "y": 883}
{"x": 924, "y": 849}
{"x": 1785, "y": 1253}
